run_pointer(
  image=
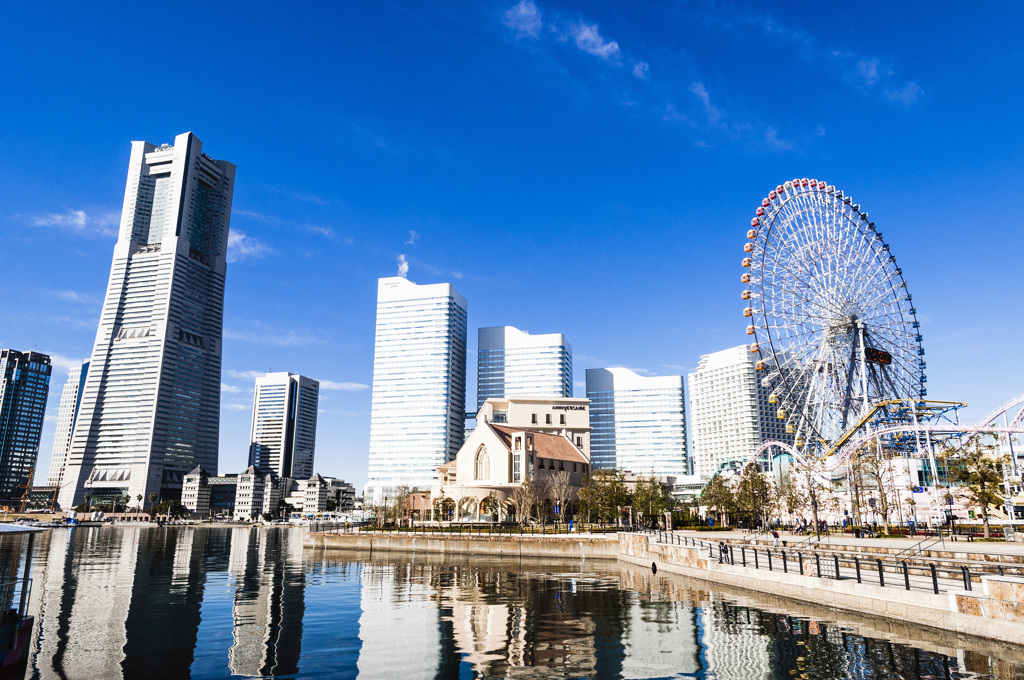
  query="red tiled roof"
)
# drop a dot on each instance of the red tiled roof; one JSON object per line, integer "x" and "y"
{"x": 544, "y": 445}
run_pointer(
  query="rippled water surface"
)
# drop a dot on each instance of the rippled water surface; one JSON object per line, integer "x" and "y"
{"x": 140, "y": 602}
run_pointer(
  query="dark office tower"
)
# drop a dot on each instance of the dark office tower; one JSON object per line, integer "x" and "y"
{"x": 150, "y": 408}
{"x": 24, "y": 386}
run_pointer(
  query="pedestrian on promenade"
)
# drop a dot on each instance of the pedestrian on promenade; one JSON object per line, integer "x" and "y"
{"x": 775, "y": 535}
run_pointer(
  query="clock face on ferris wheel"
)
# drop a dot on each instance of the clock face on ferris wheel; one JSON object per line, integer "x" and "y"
{"x": 833, "y": 324}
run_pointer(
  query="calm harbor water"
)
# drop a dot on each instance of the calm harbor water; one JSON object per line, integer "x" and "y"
{"x": 139, "y": 602}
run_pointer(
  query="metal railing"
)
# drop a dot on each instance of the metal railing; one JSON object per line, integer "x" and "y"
{"x": 890, "y": 572}
{"x": 469, "y": 529}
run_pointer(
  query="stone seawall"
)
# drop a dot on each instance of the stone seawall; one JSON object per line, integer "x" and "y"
{"x": 564, "y": 546}
{"x": 994, "y": 611}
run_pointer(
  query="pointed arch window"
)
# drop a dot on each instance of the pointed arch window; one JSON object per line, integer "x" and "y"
{"x": 482, "y": 464}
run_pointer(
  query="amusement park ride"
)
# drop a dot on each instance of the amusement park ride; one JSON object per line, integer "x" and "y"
{"x": 837, "y": 341}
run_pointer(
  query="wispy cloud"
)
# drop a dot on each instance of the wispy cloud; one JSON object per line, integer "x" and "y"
{"x": 403, "y": 266}
{"x": 713, "y": 113}
{"x": 65, "y": 363}
{"x": 275, "y": 221}
{"x": 263, "y": 335}
{"x": 80, "y": 222}
{"x": 413, "y": 238}
{"x": 75, "y": 296}
{"x": 771, "y": 138}
{"x": 224, "y": 387}
{"x": 342, "y": 386}
{"x": 250, "y": 375}
{"x": 237, "y": 407}
{"x": 867, "y": 69}
{"x": 588, "y": 39}
{"x": 909, "y": 94}
{"x": 640, "y": 70}
{"x": 524, "y": 19}
{"x": 241, "y": 246}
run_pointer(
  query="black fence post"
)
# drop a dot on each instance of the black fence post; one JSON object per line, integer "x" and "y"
{"x": 770, "y": 559}
{"x": 906, "y": 575}
{"x": 756, "y": 566}
{"x": 836, "y": 558}
{"x": 967, "y": 578}
{"x": 817, "y": 563}
{"x": 743, "y": 555}
{"x": 881, "y": 574}
{"x": 785, "y": 562}
{"x": 935, "y": 579}
{"x": 856, "y": 564}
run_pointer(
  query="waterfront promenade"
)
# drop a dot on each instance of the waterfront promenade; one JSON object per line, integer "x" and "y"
{"x": 970, "y": 588}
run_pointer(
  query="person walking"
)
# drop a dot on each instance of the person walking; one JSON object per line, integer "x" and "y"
{"x": 775, "y": 535}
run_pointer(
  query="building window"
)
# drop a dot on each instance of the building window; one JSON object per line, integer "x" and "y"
{"x": 533, "y": 418}
{"x": 482, "y": 466}
{"x": 547, "y": 418}
{"x": 579, "y": 442}
{"x": 574, "y": 467}
{"x": 561, "y": 419}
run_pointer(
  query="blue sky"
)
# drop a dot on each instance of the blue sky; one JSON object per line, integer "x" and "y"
{"x": 587, "y": 169}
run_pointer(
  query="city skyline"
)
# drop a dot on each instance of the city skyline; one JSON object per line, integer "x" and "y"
{"x": 587, "y": 169}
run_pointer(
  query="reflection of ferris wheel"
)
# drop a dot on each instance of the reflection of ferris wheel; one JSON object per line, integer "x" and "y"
{"x": 834, "y": 326}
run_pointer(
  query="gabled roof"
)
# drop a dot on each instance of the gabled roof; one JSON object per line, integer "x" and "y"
{"x": 199, "y": 471}
{"x": 317, "y": 478}
{"x": 545, "y": 445}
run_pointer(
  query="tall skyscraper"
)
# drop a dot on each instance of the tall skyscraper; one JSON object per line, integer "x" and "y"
{"x": 70, "y": 400}
{"x": 283, "y": 437}
{"x": 513, "y": 363}
{"x": 150, "y": 408}
{"x": 24, "y": 386}
{"x": 639, "y": 422}
{"x": 729, "y": 410}
{"x": 419, "y": 385}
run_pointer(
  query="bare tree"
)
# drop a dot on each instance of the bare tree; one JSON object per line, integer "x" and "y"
{"x": 524, "y": 497}
{"x": 561, "y": 490}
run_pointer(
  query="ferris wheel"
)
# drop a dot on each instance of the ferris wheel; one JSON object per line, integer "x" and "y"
{"x": 833, "y": 324}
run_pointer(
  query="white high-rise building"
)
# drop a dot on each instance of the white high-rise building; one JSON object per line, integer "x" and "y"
{"x": 70, "y": 400}
{"x": 283, "y": 438}
{"x": 150, "y": 408}
{"x": 419, "y": 385}
{"x": 638, "y": 422}
{"x": 729, "y": 410}
{"x": 513, "y": 363}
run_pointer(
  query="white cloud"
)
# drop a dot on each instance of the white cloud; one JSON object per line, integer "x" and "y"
{"x": 867, "y": 69}
{"x": 343, "y": 386}
{"x": 229, "y": 388}
{"x": 640, "y": 70}
{"x": 262, "y": 336}
{"x": 403, "y": 266}
{"x": 413, "y": 237}
{"x": 237, "y": 407}
{"x": 820, "y": 131}
{"x": 771, "y": 138}
{"x": 590, "y": 41}
{"x": 241, "y": 246}
{"x": 75, "y": 296}
{"x": 251, "y": 375}
{"x": 713, "y": 113}
{"x": 524, "y": 19}
{"x": 81, "y": 222}
{"x": 907, "y": 95}
{"x": 65, "y": 363}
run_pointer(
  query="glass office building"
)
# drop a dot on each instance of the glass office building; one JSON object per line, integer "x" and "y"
{"x": 150, "y": 409}
{"x": 283, "y": 438}
{"x": 24, "y": 387}
{"x": 419, "y": 385}
{"x": 70, "y": 400}
{"x": 638, "y": 423}
{"x": 513, "y": 363}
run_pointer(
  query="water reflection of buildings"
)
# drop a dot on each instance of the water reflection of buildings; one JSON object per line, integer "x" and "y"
{"x": 268, "y": 604}
{"x": 127, "y": 602}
